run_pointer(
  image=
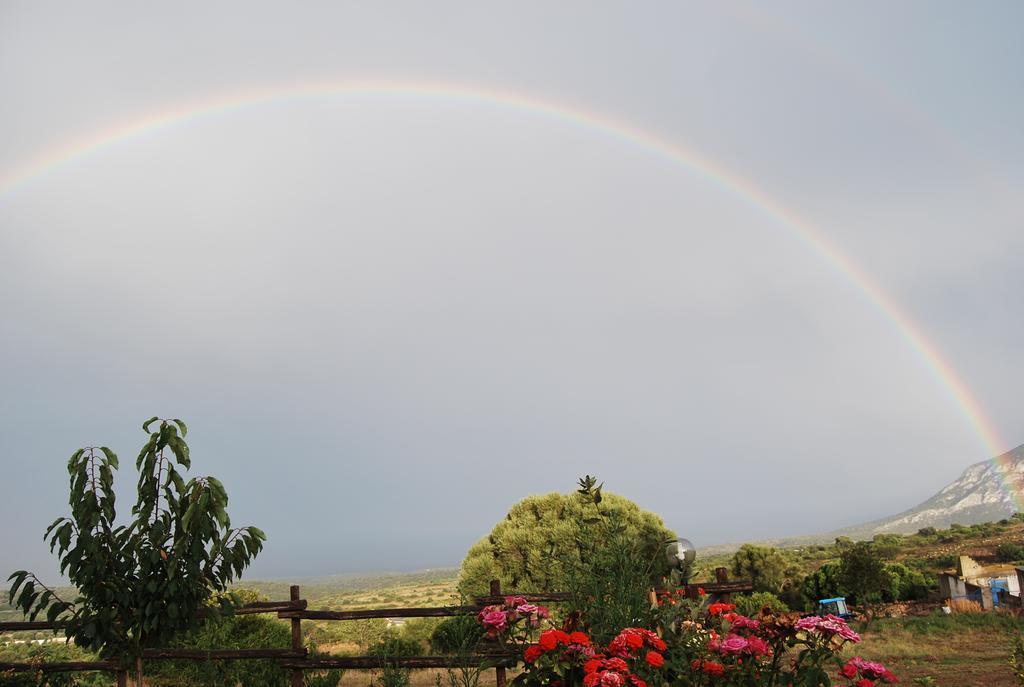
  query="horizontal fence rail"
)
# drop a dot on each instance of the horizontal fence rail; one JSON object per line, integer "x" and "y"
{"x": 297, "y": 659}
{"x": 65, "y": 667}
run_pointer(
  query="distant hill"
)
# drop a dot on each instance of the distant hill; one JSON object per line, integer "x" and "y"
{"x": 978, "y": 495}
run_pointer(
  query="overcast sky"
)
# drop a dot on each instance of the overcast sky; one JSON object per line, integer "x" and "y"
{"x": 386, "y": 318}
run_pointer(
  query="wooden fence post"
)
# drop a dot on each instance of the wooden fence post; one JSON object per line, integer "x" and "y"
{"x": 297, "y": 674}
{"x": 721, "y": 577}
{"x": 122, "y": 677}
{"x": 499, "y": 671}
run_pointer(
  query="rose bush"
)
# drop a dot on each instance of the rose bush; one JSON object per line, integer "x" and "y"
{"x": 692, "y": 644}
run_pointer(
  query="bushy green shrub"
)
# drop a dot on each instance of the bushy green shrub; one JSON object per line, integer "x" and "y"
{"x": 420, "y": 630}
{"x": 391, "y": 647}
{"x": 887, "y": 546}
{"x": 1009, "y": 552}
{"x": 457, "y": 635}
{"x": 751, "y": 604}
{"x": 235, "y": 632}
{"x": 538, "y": 544}
{"x": 50, "y": 653}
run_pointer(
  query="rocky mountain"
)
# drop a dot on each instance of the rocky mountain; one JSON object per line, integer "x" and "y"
{"x": 980, "y": 494}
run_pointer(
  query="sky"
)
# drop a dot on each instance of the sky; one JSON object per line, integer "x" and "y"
{"x": 400, "y": 265}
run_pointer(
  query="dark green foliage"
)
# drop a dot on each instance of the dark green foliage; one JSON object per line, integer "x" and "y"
{"x": 391, "y": 647}
{"x": 139, "y": 584}
{"x": 905, "y": 584}
{"x": 396, "y": 646}
{"x": 1009, "y": 552}
{"x": 764, "y": 566}
{"x": 539, "y": 543}
{"x": 235, "y": 632}
{"x": 457, "y": 635}
{"x": 420, "y": 630}
{"x": 927, "y": 531}
{"x": 824, "y": 583}
{"x": 887, "y": 546}
{"x": 50, "y": 653}
{"x": 862, "y": 572}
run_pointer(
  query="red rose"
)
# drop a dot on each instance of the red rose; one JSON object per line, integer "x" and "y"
{"x": 579, "y": 638}
{"x": 712, "y": 668}
{"x": 654, "y": 659}
{"x": 532, "y": 653}
{"x": 848, "y": 671}
{"x": 548, "y": 640}
{"x": 718, "y": 609}
{"x": 864, "y": 682}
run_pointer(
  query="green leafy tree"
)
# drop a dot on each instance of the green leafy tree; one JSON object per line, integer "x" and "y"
{"x": 905, "y": 584}
{"x": 862, "y": 572}
{"x": 764, "y": 566}
{"x": 824, "y": 583}
{"x": 544, "y": 539}
{"x": 142, "y": 583}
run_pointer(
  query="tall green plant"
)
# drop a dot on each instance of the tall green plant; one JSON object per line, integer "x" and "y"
{"x": 141, "y": 583}
{"x": 611, "y": 576}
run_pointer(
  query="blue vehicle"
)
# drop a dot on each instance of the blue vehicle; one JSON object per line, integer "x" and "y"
{"x": 836, "y": 606}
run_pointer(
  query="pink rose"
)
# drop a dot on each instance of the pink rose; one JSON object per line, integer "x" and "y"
{"x": 733, "y": 644}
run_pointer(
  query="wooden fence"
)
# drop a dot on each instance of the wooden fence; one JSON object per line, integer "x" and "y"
{"x": 296, "y": 658}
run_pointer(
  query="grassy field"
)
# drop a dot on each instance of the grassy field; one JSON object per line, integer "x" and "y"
{"x": 966, "y": 649}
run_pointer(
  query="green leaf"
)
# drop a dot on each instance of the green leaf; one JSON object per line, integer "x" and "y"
{"x": 73, "y": 461}
{"x": 50, "y": 528}
{"x": 18, "y": 578}
{"x": 181, "y": 426}
{"x": 147, "y": 423}
{"x": 25, "y": 598}
{"x": 53, "y": 611}
{"x": 111, "y": 456}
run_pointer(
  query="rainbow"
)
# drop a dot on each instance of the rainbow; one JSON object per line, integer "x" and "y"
{"x": 813, "y": 240}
